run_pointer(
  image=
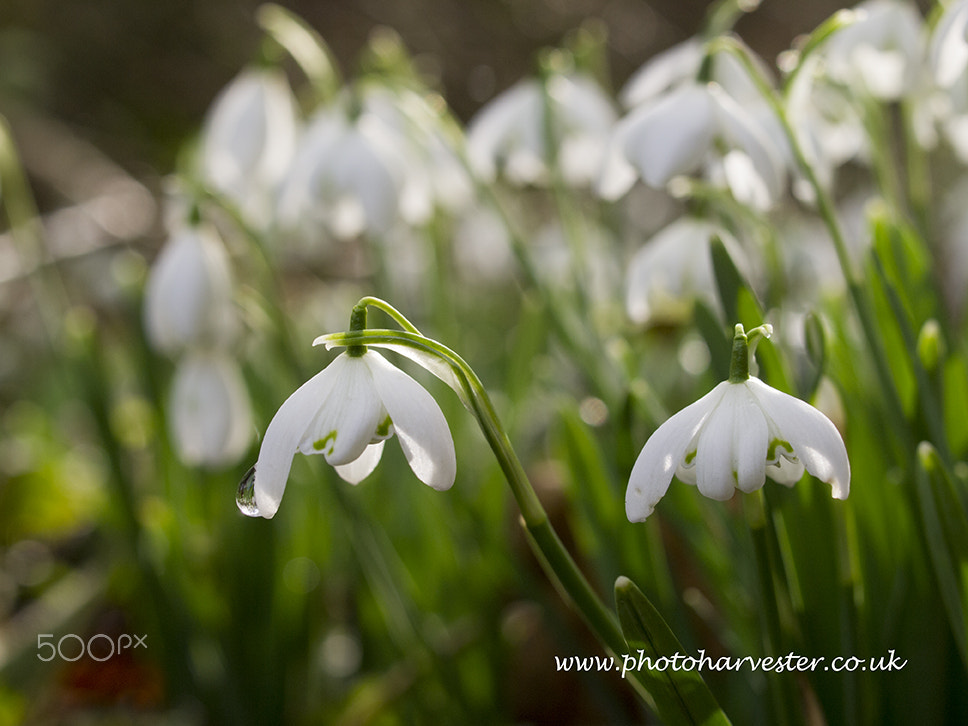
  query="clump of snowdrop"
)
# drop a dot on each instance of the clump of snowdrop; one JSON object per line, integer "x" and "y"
{"x": 734, "y": 437}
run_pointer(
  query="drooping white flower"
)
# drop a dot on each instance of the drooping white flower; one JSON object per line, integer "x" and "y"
{"x": 248, "y": 140}
{"x": 669, "y": 69}
{"x": 948, "y": 66}
{"x": 827, "y": 123}
{"x": 188, "y": 298}
{"x": 948, "y": 48}
{"x": 211, "y": 419}
{"x": 733, "y": 438}
{"x": 512, "y": 132}
{"x": 347, "y": 177}
{"x": 346, "y": 412}
{"x": 695, "y": 128}
{"x": 881, "y": 52}
{"x": 674, "y": 268}
{"x": 435, "y": 172}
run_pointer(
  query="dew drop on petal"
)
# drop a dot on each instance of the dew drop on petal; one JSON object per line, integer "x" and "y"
{"x": 245, "y": 498}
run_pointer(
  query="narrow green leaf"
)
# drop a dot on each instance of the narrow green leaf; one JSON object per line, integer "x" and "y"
{"x": 729, "y": 280}
{"x": 946, "y": 531}
{"x": 680, "y": 696}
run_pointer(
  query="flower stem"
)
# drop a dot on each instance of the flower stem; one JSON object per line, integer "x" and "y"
{"x": 543, "y": 537}
{"x": 828, "y": 214}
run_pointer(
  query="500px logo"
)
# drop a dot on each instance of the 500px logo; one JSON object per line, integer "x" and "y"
{"x": 99, "y": 647}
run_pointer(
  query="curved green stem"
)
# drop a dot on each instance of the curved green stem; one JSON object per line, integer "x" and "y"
{"x": 542, "y": 534}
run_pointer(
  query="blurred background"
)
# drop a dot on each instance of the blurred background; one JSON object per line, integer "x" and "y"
{"x": 245, "y": 618}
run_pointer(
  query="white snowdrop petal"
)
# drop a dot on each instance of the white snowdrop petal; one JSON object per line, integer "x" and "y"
{"x": 751, "y": 438}
{"x": 283, "y": 436}
{"x": 418, "y": 422}
{"x": 815, "y": 440}
{"x": 715, "y": 473}
{"x": 662, "y": 455}
{"x": 346, "y": 420}
{"x": 672, "y": 136}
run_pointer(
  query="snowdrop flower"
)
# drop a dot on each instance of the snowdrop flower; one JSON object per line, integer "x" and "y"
{"x": 348, "y": 176}
{"x": 948, "y": 65}
{"x": 948, "y": 50}
{"x": 684, "y": 132}
{"x": 512, "y": 131}
{"x": 826, "y": 121}
{"x": 188, "y": 298}
{"x": 346, "y": 412}
{"x": 733, "y": 437}
{"x": 436, "y": 173}
{"x": 248, "y": 140}
{"x": 211, "y": 418}
{"x": 881, "y": 52}
{"x": 669, "y": 69}
{"x": 674, "y": 268}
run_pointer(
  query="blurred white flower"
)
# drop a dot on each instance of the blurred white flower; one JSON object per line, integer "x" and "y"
{"x": 664, "y": 71}
{"x": 346, "y": 412}
{"x": 435, "y": 171}
{"x": 948, "y": 66}
{"x": 211, "y": 420}
{"x": 513, "y": 132}
{"x": 695, "y": 128}
{"x": 248, "y": 140}
{"x": 881, "y": 52}
{"x": 827, "y": 123}
{"x": 188, "y": 297}
{"x": 733, "y": 438}
{"x": 948, "y": 47}
{"x": 347, "y": 176}
{"x": 674, "y": 268}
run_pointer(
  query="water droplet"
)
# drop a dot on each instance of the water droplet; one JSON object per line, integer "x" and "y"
{"x": 245, "y": 499}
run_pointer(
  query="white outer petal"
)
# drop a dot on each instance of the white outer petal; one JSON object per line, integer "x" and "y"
{"x": 418, "y": 422}
{"x": 663, "y": 453}
{"x": 283, "y": 436}
{"x": 949, "y": 47}
{"x": 664, "y": 70}
{"x": 347, "y": 419}
{"x": 716, "y": 452}
{"x": 815, "y": 440}
{"x": 672, "y": 136}
{"x": 617, "y": 174}
{"x": 750, "y": 444}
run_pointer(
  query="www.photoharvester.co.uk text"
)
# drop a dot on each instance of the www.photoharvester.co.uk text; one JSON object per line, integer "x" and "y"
{"x": 701, "y": 662}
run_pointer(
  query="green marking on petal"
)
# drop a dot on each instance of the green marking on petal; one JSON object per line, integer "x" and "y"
{"x": 383, "y": 430}
{"x": 771, "y": 453}
{"x": 690, "y": 457}
{"x": 325, "y": 442}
